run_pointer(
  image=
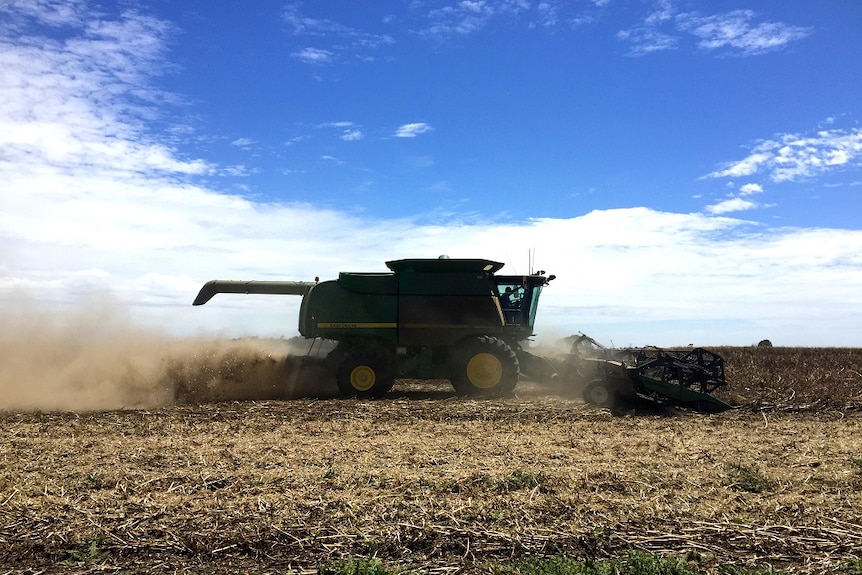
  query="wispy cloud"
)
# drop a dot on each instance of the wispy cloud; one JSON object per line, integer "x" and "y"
{"x": 235, "y": 170}
{"x": 664, "y": 27}
{"x": 468, "y": 16}
{"x": 84, "y": 100}
{"x": 352, "y": 135}
{"x": 412, "y": 130}
{"x": 465, "y": 17}
{"x": 646, "y": 40}
{"x": 314, "y": 56}
{"x": 788, "y": 157}
{"x": 732, "y": 33}
{"x": 548, "y": 14}
{"x": 302, "y": 24}
{"x": 350, "y": 132}
{"x": 243, "y": 142}
{"x": 737, "y": 32}
{"x": 338, "y": 124}
{"x": 49, "y": 12}
{"x": 340, "y": 38}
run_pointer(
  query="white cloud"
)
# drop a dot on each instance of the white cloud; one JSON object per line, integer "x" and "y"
{"x": 738, "y": 203}
{"x": 745, "y": 167}
{"x": 412, "y": 130}
{"x": 304, "y": 25}
{"x": 49, "y": 12}
{"x": 646, "y": 40}
{"x": 552, "y": 13}
{"x": 547, "y": 14}
{"x": 662, "y": 11}
{"x": 731, "y": 205}
{"x": 748, "y": 189}
{"x": 793, "y": 156}
{"x": 342, "y": 39}
{"x": 349, "y": 131}
{"x": 734, "y": 32}
{"x": 235, "y": 170}
{"x": 314, "y": 56}
{"x": 468, "y": 16}
{"x": 90, "y": 98}
{"x": 243, "y": 142}
{"x": 352, "y": 135}
{"x": 92, "y": 202}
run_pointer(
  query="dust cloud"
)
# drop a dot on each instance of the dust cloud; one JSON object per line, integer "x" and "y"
{"x": 95, "y": 358}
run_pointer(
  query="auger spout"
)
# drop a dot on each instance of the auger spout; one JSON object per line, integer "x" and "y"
{"x": 214, "y": 287}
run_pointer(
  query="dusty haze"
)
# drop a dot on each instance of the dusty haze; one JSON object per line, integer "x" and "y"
{"x": 96, "y": 358}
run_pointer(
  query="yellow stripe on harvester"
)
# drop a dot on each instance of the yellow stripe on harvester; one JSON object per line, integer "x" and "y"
{"x": 355, "y": 325}
{"x": 441, "y": 326}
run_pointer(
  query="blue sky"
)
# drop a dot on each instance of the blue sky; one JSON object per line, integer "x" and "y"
{"x": 689, "y": 170}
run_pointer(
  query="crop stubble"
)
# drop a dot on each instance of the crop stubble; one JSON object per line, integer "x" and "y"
{"x": 432, "y": 482}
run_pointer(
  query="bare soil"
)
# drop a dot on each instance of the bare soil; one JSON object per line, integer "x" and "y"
{"x": 124, "y": 451}
{"x": 229, "y": 480}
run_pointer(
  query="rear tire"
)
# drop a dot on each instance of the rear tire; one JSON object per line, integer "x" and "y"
{"x": 364, "y": 375}
{"x": 484, "y": 366}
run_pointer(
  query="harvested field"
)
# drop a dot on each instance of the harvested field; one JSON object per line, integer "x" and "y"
{"x": 433, "y": 483}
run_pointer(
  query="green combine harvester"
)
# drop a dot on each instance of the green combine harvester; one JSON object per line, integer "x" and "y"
{"x": 457, "y": 319}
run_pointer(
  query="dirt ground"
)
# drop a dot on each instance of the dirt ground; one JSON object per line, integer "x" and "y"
{"x": 425, "y": 481}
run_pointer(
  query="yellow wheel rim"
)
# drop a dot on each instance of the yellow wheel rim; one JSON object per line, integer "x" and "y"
{"x": 362, "y": 378}
{"x": 484, "y": 370}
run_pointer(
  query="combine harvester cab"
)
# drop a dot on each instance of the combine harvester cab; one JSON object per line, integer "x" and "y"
{"x": 425, "y": 319}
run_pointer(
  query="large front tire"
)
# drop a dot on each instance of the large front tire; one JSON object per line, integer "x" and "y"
{"x": 600, "y": 392}
{"x": 484, "y": 366}
{"x": 364, "y": 375}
